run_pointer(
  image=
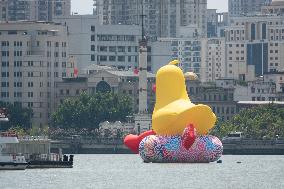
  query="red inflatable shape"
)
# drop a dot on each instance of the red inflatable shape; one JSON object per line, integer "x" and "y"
{"x": 133, "y": 141}
{"x": 188, "y": 136}
{"x": 154, "y": 88}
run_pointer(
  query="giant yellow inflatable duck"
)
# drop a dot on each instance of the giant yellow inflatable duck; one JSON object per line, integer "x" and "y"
{"x": 173, "y": 110}
{"x": 180, "y": 127}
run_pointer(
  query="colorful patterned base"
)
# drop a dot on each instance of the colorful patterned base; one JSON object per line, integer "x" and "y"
{"x": 161, "y": 149}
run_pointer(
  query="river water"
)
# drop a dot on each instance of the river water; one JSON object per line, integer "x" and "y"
{"x": 128, "y": 171}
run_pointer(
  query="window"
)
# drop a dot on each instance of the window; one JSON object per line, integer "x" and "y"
{"x": 112, "y": 49}
{"x": 121, "y": 49}
{"x": 112, "y": 58}
{"x": 121, "y": 58}
{"x": 103, "y": 58}
{"x": 103, "y": 49}
{"x": 92, "y": 37}
{"x": 252, "y": 35}
{"x": 93, "y": 28}
{"x": 93, "y": 48}
{"x": 93, "y": 57}
{"x": 263, "y": 31}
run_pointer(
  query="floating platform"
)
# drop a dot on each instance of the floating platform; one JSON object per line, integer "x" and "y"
{"x": 49, "y": 164}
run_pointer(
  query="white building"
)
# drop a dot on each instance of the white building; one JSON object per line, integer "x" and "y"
{"x": 33, "y": 57}
{"x": 277, "y": 78}
{"x": 33, "y": 10}
{"x": 257, "y": 90}
{"x": 93, "y": 43}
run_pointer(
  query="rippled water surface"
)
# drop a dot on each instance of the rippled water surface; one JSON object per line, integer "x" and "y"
{"x": 128, "y": 171}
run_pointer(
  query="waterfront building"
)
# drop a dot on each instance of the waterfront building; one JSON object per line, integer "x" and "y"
{"x": 220, "y": 99}
{"x": 163, "y": 17}
{"x": 99, "y": 78}
{"x": 258, "y": 90}
{"x": 35, "y": 10}
{"x": 254, "y": 45}
{"x": 34, "y": 56}
{"x": 244, "y": 7}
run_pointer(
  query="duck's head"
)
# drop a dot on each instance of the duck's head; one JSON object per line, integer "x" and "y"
{"x": 174, "y": 110}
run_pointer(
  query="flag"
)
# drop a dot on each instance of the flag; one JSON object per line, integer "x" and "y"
{"x": 136, "y": 71}
{"x": 76, "y": 71}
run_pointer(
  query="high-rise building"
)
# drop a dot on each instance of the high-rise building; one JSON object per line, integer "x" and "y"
{"x": 33, "y": 56}
{"x": 93, "y": 43}
{"x": 188, "y": 51}
{"x": 254, "y": 46}
{"x": 216, "y": 23}
{"x": 215, "y": 59}
{"x": 35, "y": 10}
{"x": 244, "y": 7}
{"x": 162, "y": 18}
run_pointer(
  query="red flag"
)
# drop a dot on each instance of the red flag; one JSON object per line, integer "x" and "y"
{"x": 136, "y": 71}
{"x": 154, "y": 88}
{"x": 76, "y": 71}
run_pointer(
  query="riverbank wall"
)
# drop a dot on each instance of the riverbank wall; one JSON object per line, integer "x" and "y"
{"x": 241, "y": 147}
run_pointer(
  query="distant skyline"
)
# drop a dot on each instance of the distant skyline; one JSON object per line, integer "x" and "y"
{"x": 87, "y": 7}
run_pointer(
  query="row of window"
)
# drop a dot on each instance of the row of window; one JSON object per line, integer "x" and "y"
{"x": 114, "y": 48}
{"x": 224, "y": 110}
{"x": 264, "y": 99}
{"x": 31, "y": 64}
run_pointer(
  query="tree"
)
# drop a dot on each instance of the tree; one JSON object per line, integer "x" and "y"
{"x": 87, "y": 111}
{"x": 258, "y": 122}
{"x": 18, "y": 116}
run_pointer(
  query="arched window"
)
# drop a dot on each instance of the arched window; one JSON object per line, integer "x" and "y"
{"x": 103, "y": 87}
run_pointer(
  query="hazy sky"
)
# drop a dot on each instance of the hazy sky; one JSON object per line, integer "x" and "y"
{"x": 86, "y": 6}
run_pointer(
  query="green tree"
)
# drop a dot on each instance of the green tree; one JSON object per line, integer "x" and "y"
{"x": 87, "y": 111}
{"x": 19, "y": 116}
{"x": 258, "y": 122}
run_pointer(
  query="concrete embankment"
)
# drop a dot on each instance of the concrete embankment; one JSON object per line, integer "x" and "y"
{"x": 242, "y": 147}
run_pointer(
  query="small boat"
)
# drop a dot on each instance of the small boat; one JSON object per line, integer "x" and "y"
{"x": 10, "y": 161}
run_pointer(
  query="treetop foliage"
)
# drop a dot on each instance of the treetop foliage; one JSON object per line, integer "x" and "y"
{"x": 87, "y": 111}
{"x": 256, "y": 123}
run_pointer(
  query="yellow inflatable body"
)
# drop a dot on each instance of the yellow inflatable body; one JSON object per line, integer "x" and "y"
{"x": 173, "y": 110}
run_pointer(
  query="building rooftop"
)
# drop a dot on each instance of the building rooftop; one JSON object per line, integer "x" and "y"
{"x": 277, "y": 2}
{"x": 260, "y": 102}
{"x": 128, "y": 73}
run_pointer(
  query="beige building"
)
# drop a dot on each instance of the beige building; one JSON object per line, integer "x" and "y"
{"x": 254, "y": 45}
{"x": 215, "y": 59}
{"x": 33, "y": 10}
{"x": 34, "y": 56}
